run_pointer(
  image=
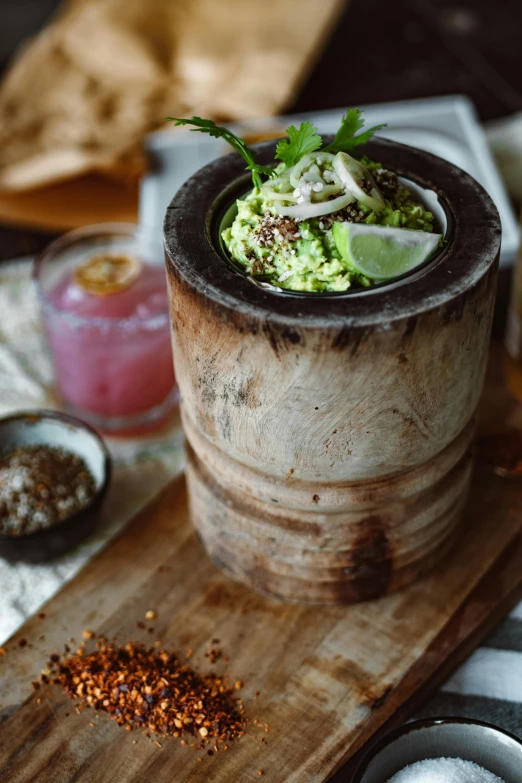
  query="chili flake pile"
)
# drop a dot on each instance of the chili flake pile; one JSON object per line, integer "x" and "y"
{"x": 148, "y": 688}
{"x": 40, "y": 486}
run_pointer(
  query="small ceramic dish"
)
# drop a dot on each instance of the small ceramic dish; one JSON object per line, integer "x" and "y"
{"x": 48, "y": 428}
{"x": 486, "y": 745}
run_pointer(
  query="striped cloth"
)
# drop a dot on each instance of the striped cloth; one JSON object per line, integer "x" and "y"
{"x": 488, "y": 686}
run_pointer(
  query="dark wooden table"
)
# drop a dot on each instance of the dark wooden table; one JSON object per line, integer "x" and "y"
{"x": 382, "y": 50}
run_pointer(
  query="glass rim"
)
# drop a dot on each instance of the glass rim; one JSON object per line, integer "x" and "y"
{"x": 69, "y": 239}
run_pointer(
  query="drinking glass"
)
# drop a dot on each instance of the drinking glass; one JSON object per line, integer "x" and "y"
{"x": 112, "y": 353}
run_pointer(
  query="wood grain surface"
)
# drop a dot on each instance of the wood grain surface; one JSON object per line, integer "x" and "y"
{"x": 329, "y": 678}
{"x": 328, "y": 457}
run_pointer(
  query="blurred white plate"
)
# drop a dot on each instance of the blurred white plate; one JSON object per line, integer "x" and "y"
{"x": 447, "y": 127}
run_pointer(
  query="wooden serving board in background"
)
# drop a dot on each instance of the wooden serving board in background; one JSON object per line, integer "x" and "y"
{"x": 329, "y": 678}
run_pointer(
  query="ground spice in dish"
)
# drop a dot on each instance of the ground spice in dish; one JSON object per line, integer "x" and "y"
{"x": 41, "y": 486}
{"x": 502, "y": 451}
{"x": 148, "y": 688}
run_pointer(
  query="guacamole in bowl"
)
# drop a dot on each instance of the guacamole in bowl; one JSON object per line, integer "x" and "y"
{"x": 301, "y": 254}
{"x": 321, "y": 220}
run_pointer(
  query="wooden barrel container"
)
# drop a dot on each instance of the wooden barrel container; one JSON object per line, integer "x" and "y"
{"x": 328, "y": 436}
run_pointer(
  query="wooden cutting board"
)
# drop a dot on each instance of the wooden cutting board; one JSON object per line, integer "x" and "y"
{"x": 329, "y": 678}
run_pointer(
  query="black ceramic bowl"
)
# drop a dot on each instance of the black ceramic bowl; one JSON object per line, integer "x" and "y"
{"x": 486, "y": 745}
{"x": 47, "y": 428}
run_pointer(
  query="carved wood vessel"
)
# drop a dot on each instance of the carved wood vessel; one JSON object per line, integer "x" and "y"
{"x": 328, "y": 435}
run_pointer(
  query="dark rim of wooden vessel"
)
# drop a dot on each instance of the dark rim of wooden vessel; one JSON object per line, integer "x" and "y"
{"x": 192, "y": 249}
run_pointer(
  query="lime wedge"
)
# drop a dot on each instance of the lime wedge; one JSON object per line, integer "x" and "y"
{"x": 382, "y": 252}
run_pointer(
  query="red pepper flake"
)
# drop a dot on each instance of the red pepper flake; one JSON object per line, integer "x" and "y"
{"x": 151, "y": 688}
{"x": 22, "y": 642}
{"x": 214, "y": 654}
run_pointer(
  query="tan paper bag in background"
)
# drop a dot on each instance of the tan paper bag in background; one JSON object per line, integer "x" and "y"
{"x": 78, "y": 101}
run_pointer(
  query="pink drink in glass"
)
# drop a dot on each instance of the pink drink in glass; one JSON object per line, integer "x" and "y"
{"x": 112, "y": 354}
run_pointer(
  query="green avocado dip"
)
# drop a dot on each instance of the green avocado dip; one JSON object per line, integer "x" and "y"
{"x": 322, "y": 220}
{"x": 301, "y": 254}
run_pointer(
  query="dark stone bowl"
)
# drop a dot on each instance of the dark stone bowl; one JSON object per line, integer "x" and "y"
{"x": 48, "y": 428}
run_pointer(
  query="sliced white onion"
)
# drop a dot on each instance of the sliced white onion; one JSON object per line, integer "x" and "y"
{"x": 309, "y": 210}
{"x": 276, "y": 195}
{"x": 313, "y": 174}
{"x": 353, "y": 174}
{"x": 331, "y": 177}
{"x": 327, "y": 191}
{"x": 323, "y": 157}
{"x": 306, "y": 162}
{"x": 282, "y": 179}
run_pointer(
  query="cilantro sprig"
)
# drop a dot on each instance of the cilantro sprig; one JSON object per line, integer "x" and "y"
{"x": 301, "y": 141}
{"x": 345, "y": 138}
{"x": 219, "y": 132}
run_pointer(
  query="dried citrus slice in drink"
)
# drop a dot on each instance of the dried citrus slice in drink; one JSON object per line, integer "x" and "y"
{"x": 382, "y": 252}
{"x": 107, "y": 273}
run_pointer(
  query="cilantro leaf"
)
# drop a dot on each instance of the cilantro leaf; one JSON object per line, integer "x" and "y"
{"x": 302, "y": 140}
{"x": 345, "y": 138}
{"x": 219, "y": 132}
